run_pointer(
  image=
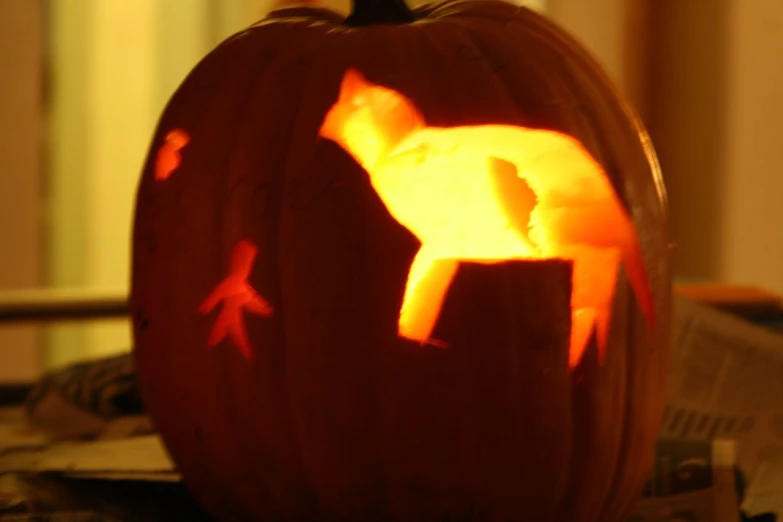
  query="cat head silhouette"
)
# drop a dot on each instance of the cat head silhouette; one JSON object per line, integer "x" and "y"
{"x": 369, "y": 120}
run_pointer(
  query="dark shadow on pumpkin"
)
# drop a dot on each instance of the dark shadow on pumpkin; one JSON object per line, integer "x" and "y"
{"x": 485, "y": 425}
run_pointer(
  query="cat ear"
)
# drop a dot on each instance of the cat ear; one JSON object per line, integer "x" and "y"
{"x": 353, "y": 83}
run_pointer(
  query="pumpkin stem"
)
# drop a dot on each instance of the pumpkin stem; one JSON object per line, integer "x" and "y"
{"x": 377, "y": 12}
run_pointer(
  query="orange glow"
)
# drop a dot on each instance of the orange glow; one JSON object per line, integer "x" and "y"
{"x": 488, "y": 194}
{"x": 169, "y": 156}
{"x": 237, "y": 295}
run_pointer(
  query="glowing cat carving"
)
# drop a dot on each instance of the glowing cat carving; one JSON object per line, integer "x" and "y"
{"x": 450, "y": 187}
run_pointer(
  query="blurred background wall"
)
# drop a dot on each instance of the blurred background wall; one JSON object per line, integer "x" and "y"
{"x": 85, "y": 80}
{"x": 716, "y": 117}
{"x": 21, "y": 174}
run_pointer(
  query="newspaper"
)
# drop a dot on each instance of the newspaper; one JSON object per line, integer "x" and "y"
{"x": 133, "y": 457}
{"x": 726, "y": 382}
{"x": 691, "y": 481}
{"x": 23, "y": 449}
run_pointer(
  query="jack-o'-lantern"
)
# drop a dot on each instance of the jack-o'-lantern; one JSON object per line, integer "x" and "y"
{"x": 410, "y": 265}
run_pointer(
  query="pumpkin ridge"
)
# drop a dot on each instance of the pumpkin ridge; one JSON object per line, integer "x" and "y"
{"x": 232, "y": 221}
{"x": 312, "y": 89}
{"x": 619, "y": 483}
{"x": 310, "y": 86}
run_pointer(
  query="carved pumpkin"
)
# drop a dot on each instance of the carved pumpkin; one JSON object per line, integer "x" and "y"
{"x": 403, "y": 266}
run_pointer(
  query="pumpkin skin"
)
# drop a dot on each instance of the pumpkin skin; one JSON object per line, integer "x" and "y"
{"x": 333, "y": 416}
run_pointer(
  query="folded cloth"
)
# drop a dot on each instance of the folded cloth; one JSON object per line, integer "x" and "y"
{"x": 88, "y": 399}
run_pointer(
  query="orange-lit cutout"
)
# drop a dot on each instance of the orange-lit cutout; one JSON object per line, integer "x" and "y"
{"x": 169, "y": 156}
{"x": 489, "y": 193}
{"x": 237, "y": 295}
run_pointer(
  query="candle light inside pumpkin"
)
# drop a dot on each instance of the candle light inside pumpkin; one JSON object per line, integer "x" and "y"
{"x": 489, "y": 194}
